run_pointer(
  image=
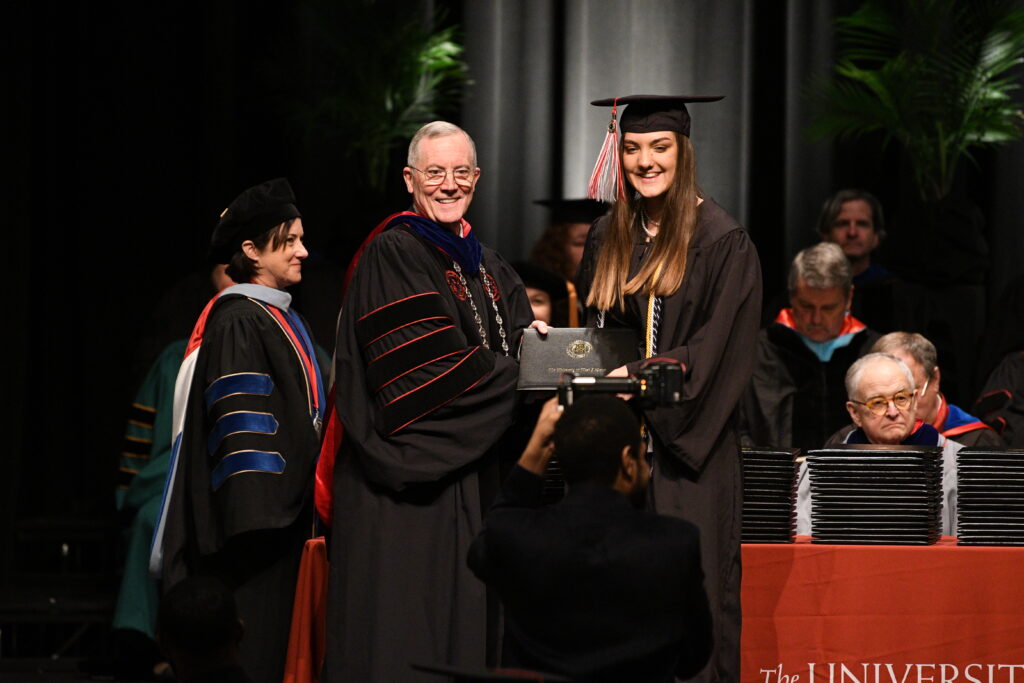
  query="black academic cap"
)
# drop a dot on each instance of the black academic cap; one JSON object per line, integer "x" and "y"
{"x": 536, "y": 277}
{"x": 464, "y": 674}
{"x": 650, "y": 113}
{"x": 251, "y": 214}
{"x": 574, "y": 210}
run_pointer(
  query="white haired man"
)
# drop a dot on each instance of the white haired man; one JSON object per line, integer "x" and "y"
{"x": 425, "y": 376}
{"x": 932, "y": 407}
{"x": 882, "y": 402}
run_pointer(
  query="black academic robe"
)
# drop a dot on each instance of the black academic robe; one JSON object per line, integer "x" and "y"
{"x": 710, "y": 325}
{"x": 594, "y": 589}
{"x": 424, "y": 407}
{"x": 242, "y": 503}
{"x": 1001, "y": 404}
{"x": 794, "y": 400}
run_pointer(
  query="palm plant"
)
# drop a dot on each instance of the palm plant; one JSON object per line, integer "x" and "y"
{"x": 934, "y": 75}
{"x": 382, "y": 76}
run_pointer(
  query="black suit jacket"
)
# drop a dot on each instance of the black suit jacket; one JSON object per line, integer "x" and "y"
{"x": 594, "y": 589}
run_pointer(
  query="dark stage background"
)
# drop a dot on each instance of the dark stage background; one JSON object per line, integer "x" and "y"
{"x": 132, "y": 125}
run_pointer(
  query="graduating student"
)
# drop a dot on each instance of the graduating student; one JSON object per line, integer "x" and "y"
{"x": 672, "y": 264}
{"x": 248, "y": 409}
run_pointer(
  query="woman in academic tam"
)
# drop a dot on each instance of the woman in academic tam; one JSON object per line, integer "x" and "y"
{"x": 248, "y": 405}
{"x": 672, "y": 264}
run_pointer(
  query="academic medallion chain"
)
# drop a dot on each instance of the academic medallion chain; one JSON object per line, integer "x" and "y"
{"x": 476, "y": 314}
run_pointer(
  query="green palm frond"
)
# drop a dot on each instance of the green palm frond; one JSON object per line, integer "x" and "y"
{"x": 382, "y": 76}
{"x": 934, "y": 75}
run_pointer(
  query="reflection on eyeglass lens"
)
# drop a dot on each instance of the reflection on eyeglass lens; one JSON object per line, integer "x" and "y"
{"x": 880, "y": 404}
{"x": 436, "y": 176}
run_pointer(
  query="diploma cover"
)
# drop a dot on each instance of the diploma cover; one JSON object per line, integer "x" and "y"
{"x": 586, "y": 351}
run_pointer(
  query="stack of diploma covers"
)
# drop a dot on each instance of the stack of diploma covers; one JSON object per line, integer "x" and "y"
{"x": 769, "y": 495}
{"x": 990, "y": 491}
{"x": 871, "y": 494}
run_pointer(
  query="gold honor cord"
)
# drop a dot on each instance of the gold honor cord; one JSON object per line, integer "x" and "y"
{"x": 649, "y": 336}
{"x": 574, "y": 305}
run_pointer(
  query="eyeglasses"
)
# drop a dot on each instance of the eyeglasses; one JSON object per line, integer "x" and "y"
{"x": 435, "y": 176}
{"x": 880, "y": 404}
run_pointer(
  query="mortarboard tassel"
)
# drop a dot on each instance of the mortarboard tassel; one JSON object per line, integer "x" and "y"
{"x": 606, "y": 180}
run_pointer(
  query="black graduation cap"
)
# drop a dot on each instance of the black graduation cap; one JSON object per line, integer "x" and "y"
{"x": 574, "y": 210}
{"x": 251, "y": 214}
{"x": 650, "y": 113}
{"x": 536, "y": 277}
{"x": 645, "y": 114}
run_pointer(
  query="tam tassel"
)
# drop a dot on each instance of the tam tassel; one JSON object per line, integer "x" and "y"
{"x": 606, "y": 181}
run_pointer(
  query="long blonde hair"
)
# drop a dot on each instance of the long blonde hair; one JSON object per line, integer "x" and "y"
{"x": 662, "y": 272}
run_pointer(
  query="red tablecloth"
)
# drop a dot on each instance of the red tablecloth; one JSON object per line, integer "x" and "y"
{"x": 902, "y": 614}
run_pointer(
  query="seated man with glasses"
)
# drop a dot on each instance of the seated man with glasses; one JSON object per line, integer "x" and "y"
{"x": 951, "y": 421}
{"x": 882, "y": 402}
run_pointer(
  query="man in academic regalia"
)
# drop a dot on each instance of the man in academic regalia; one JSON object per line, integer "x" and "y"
{"x": 883, "y": 404}
{"x": 425, "y": 377}
{"x": 933, "y": 409}
{"x": 796, "y": 394}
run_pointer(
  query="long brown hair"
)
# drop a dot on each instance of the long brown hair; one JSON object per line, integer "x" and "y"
{"x": 662, "y": 272}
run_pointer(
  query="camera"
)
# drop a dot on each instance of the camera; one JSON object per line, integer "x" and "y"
{"x": 659, "y": 383}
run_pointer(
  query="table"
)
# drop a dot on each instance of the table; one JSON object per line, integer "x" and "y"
{"x": 882, "y": 614}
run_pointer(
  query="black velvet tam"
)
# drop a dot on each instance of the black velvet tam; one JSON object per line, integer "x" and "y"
{"x": 651, "y": 113}
{"x": 251, "y": 214}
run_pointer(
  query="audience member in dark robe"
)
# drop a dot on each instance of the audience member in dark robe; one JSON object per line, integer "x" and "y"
{"x": 795, "y": 397}
{"x": 882, "y": 402}
{"x": 547, "y": 292}
{"x": 1001, "y": 404}
{"x": 595, "y": 587}
{"x": 425, "y": 379}
{"x": 853, "y": 219}
{"x": 200, "y": 632}
{"x": 932, "y": 407}
{"x": 560, "y": 248}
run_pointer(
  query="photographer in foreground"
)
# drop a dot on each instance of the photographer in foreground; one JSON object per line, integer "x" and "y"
{"x": 595, "y": 587}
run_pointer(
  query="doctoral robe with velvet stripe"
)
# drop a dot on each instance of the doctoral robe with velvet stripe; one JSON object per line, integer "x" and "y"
{"x": 242, "y": 499}
{"x": 425, "y": 409}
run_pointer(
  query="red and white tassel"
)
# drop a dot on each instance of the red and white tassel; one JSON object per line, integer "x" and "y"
{"x": 606, "y": 181}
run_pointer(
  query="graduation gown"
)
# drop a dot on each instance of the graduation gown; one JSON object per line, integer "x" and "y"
{"x": 710, "y": 325}
{"x": 424, "y": 406}
{"x": 241, "y": 504}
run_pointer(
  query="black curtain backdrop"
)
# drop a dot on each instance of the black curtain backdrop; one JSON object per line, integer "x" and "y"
{"x": 131, "y": 125}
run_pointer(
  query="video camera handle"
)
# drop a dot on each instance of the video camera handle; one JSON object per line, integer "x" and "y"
{"x": 571, "y": 385}
{"x": 659, "y": 383}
